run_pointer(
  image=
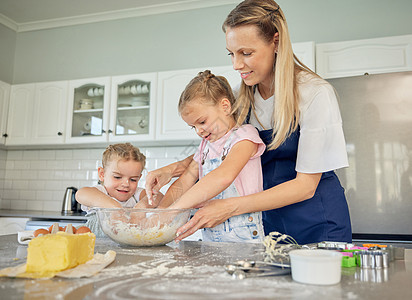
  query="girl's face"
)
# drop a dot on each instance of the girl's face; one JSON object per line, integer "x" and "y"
{"x": 120, "y": 178}
{"x": 252, "y": 56}
{"x": 210, "y": 121}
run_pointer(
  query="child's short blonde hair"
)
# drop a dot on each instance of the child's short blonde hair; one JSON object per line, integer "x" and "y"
{"x": 123, "y": 151}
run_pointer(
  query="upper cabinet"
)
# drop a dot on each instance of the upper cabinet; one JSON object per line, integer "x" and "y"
{"x": 37, "y": 113}
{"x": 4, "y": 107}
{"x": 133, "y": 107}
{"x": 305, "y": 52}
{"x": 88, "y": 110}
{"x": 169, "y": 125}
{"x": 116, "y": 109}
{"x": 352, "y": 58}
{"x": 20, "y": 118}
{"x": 49, "y": 114}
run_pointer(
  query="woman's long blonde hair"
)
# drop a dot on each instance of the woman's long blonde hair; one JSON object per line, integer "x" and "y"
{"x": 267, "y": 16}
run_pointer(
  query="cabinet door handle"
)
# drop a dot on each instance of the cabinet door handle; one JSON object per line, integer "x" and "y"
{"x": 110, "y": 131}
{"x": 5, "y": 135}
{"x": 60, "y": 133}
{"x": 103, "y": 131}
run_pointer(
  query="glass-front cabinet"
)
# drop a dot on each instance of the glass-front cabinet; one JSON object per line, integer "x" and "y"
{"x": 89, "y": 101}
{"x": 112, "y": 109}
{"x": 132, "y": 112}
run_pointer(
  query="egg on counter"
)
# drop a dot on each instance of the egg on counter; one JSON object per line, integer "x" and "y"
{"x": 40, "y": 231}
{"x": 83, "y": 229}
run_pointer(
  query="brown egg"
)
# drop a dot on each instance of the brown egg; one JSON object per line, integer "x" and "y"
{"x": 83, "y": 229}
{"x": 40, "y": 231}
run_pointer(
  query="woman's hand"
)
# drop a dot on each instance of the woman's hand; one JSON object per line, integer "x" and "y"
{"x": 213, "y": 213}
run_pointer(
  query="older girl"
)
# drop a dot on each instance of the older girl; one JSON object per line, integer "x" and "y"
{"x": 227, "y": 162}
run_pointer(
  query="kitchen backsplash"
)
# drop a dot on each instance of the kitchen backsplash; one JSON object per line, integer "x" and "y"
{"x": 37, "y": 179}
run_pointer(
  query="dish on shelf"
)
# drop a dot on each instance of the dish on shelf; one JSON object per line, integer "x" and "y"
{"x": 140, "y": 101}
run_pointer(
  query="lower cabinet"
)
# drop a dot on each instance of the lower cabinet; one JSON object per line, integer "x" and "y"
{"x": 12, "y": 225}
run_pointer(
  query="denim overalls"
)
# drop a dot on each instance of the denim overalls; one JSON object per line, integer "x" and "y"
{"x": 324, "y": 217}
{"x": 241, "y": 228}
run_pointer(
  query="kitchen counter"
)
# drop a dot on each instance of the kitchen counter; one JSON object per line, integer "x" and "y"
{"x": 194, "y": 270}
{"x": 37, "y": 214}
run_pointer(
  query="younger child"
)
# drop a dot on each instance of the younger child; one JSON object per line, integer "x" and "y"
{"x": 122, "y": 167}
{"x": 227, "y": 161}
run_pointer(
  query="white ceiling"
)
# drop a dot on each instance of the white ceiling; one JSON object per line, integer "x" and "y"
{"x": 25, "y": 15}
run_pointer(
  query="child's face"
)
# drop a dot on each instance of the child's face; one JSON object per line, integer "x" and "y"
{"x": 210, "y": 121}
{"x": 120, "y": 178}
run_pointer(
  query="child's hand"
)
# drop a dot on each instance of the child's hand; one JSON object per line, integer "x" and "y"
{"x": 144, "y": 201}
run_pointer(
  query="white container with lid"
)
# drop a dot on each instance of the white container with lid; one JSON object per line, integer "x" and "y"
{"x": 321, "y": 267}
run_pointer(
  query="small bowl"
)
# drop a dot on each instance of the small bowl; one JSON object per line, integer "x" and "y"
{"x": 142, "y": 227}
{"x": 321, "y": 267}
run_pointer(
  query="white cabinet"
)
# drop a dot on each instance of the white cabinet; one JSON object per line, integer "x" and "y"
{"x": 12, "y": 225}
{"x": 49, "y": 114}
{"x": 88, "y": 110}
{"x": 305, "y": 52}
{"x": 169, "y": 124}
{"x": 37, "y": 113}
{"x": 133, "y": 107}
{"x": 352, "y": 58}
{"x": 112, "y": 109}
{"x": 20, "y": 118}
{"x": 4, "y": 107}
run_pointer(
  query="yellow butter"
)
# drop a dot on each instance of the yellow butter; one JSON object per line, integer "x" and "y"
{"x": 57, "y": 252}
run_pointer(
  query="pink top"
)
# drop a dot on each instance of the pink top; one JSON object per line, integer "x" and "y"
{"x": 250, "y": 178}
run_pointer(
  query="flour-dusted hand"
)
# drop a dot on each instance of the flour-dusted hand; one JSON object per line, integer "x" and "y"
{"x": 155, "y": 180}
{"x": 211, "y": 214}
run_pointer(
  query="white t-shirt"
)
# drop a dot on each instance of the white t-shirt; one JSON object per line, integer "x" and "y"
{"x": 129, "y": 203}
{"x": 322, "y": 144}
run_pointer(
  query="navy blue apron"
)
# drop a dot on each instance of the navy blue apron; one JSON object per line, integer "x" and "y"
{"x": 324, "y": 217}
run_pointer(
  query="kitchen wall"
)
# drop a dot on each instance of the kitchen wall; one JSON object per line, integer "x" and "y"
{"x": 7, "y": 52}
{"x": 3, "y": 158}
{"x": 37, "y": 179}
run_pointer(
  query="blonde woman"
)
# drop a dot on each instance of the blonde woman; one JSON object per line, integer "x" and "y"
{"x": 298, "y": 118}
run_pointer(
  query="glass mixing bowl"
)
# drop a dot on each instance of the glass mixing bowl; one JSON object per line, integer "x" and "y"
{"x": 142, "y": 227}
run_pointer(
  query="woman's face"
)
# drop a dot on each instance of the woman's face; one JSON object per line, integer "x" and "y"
{"x": 252, "y": 56}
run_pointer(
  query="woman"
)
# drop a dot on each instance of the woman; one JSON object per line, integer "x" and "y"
{"x": 298, "y": 118}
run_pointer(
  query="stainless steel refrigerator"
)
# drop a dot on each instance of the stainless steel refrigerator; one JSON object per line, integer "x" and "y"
{"x": 377, "y": 120}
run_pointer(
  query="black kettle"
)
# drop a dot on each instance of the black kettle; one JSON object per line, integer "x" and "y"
{"x": 70, "y": 205}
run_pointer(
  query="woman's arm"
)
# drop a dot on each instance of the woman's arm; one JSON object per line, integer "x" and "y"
{"x": 156, "y": 179}
{"x": 92, "y": 197}
{"x": 215, "y": 212}
{"x": 219, "y": 179}
{"x": 181, "y": 185}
